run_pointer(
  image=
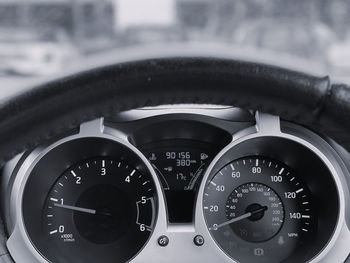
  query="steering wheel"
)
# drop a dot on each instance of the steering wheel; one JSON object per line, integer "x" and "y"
{"x": 51, "y": 109}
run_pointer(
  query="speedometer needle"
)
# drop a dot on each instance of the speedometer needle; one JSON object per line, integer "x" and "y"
{"x": 239, "y": 218}
{"x": 75, "y": 208}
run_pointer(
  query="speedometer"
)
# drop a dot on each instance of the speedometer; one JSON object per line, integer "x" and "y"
{"x": 261, "y": 206}
{"x": 258, "y": 210}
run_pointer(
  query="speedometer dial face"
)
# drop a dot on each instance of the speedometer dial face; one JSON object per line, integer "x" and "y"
{"x": 258, "y": 210}
{"x": 261, "y": 206}
{"x": 99, "y": 209}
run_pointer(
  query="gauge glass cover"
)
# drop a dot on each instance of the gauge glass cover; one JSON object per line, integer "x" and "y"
{"x": 258, "y": 210}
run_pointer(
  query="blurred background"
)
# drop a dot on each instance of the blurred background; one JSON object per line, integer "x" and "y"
{"x": 41, "y": 38}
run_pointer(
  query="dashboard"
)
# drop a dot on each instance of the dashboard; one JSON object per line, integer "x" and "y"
{"x": 179, "y": 184}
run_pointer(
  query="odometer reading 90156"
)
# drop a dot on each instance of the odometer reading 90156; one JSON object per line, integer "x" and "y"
{"x": 99, "y": 210}
{"x": 258, "y": 210}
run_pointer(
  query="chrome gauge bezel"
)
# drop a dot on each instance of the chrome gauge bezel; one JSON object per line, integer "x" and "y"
{"x": 181, "y": 247}
{"x": 19, "y": 243}
{"x": 269, "y": 126}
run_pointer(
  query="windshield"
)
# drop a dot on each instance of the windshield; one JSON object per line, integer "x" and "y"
{"x": 41, "y": 38}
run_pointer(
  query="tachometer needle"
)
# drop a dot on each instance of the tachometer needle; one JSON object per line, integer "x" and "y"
{"x": 239, "y": 218}
{"x": 75, "y": 208}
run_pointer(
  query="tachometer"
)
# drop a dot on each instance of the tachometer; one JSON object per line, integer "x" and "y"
{"x": 258, "y": 210}
{"x": 99, "y": 209}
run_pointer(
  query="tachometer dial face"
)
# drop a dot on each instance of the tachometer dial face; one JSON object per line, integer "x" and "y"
{"x": 99, "y": 209}
{"x": 258, "y": 210}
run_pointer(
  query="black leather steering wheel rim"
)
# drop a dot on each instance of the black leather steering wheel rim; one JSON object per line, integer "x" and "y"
{"x": 50, "y": 109}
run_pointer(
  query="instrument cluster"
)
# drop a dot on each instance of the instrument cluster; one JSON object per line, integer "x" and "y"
{"x": 179, "y": 185}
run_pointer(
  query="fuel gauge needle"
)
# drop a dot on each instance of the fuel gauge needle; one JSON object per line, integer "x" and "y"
{"x": 75, "y": 208}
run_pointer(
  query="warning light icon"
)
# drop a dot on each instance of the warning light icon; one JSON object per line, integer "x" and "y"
{"x": 281, "y": 240}
{"x": 204, "y": 156}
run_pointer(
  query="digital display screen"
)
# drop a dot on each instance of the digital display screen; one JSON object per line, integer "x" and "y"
{"x": 180, "y": 169}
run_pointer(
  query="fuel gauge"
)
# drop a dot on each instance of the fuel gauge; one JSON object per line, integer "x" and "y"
{"x": 180, "y": 165}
